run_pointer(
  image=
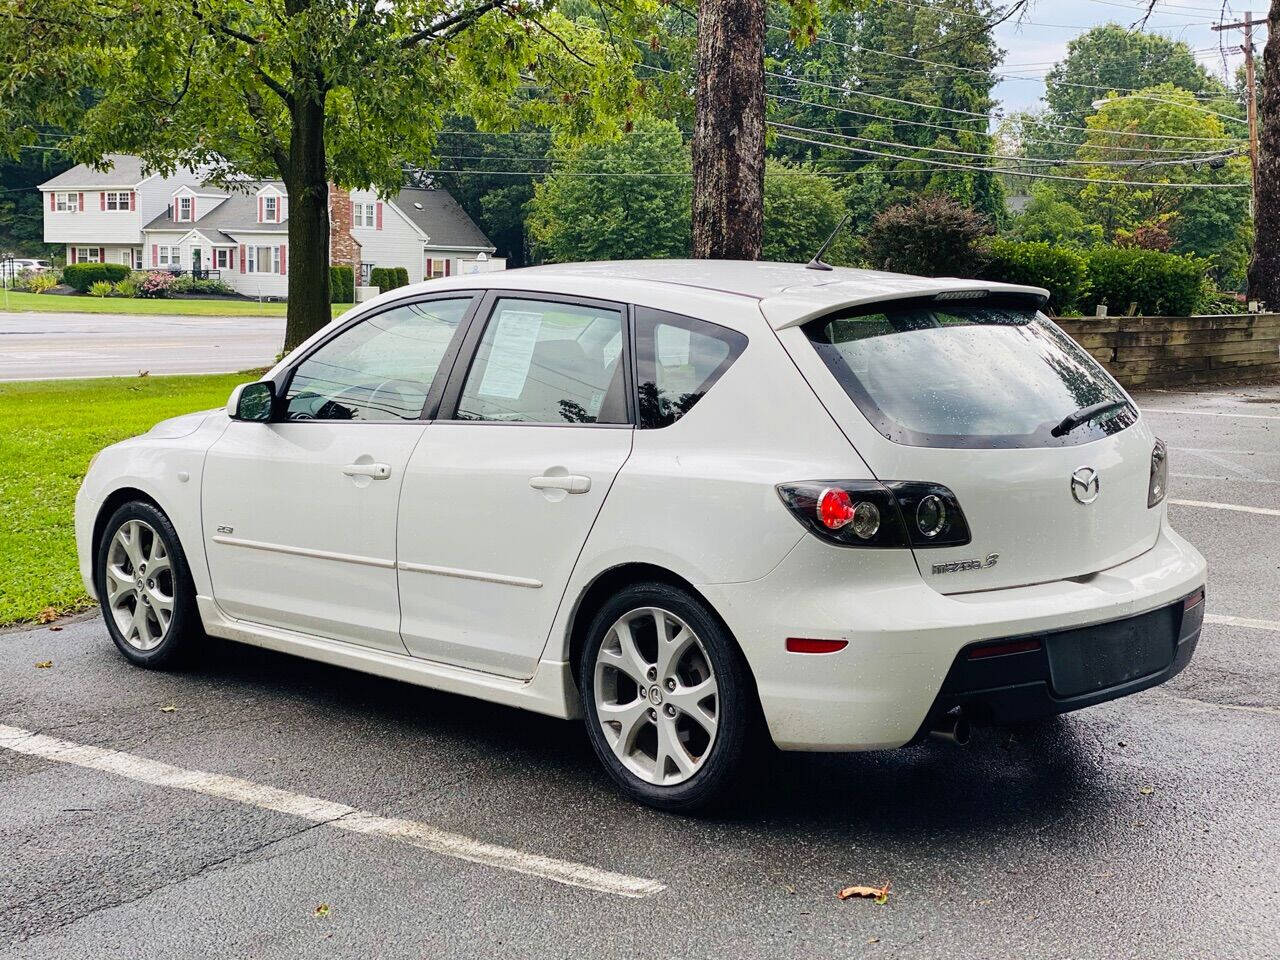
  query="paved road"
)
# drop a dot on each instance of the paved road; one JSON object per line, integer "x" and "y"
{"x": 1145, "y": 828}
{"x": 61, "y": 346}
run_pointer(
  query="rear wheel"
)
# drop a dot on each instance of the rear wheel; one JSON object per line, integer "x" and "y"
{"x": 145, "y": 588}
{"x": 668, "y": 700}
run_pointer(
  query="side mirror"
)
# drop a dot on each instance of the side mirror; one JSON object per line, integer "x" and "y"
{"x": 252, "y": 401}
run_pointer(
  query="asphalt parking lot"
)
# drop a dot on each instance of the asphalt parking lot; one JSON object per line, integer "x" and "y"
{"x": 60, "y": 346}
{"x": 1144, "y": 828}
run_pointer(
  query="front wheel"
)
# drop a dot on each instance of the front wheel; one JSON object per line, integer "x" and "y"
{"x": 145, "y": 588}
{"x": 667, "y": 696}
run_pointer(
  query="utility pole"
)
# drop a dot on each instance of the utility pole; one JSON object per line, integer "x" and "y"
{"x": 1247, "y": 47}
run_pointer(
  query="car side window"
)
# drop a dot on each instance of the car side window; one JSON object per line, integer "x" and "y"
{"x": 678, "y": 359}
{"x": 380, "y": 369}
{"x": 546, "y": 362}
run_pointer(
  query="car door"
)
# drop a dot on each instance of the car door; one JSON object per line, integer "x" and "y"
{"x": 502, "y": 491}
{"x": 300, "y": 512}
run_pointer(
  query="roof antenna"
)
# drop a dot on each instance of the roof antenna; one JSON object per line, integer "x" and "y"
{"x": 816, "y": 263}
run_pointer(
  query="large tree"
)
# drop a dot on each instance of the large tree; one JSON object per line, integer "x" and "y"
{"x": 1264, "y": 270}
{"x": 309, "y": 91}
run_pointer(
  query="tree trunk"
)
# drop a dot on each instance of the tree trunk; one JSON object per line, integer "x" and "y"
{"x": 307, "y": 182}
{"x": 728, "y": 136}
{"x": 1264, "y": 270}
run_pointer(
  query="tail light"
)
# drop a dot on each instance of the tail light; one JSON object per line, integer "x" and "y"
{"x": 1159, "y": 481}
{"x": 866, "y": 513}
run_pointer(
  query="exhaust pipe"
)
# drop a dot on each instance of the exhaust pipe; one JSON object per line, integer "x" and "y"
{"x": 952, "y": 728}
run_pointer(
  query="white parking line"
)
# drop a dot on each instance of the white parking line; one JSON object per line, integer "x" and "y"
{"x": 1226, "y": 506}
{"x": 337, "y": 815}
{"x": 1215, "y": 413}
{"x": 1218, "y": 476}
{"x": 1211, "y": 705}
{"x": 1242, "y": 622}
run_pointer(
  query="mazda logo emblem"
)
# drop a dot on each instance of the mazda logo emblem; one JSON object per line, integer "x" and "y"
{"x": 1085, "y": 485}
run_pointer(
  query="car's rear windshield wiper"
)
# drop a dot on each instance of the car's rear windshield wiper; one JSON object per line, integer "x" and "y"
{"x": 1085, "y": 414}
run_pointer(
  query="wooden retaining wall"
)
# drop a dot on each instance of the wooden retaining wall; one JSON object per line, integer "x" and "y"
{"x": 1170, "y": 351}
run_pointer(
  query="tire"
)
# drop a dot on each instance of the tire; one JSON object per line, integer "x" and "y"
{"x": 169, "y": 629}
{"x": 660, "y": 750}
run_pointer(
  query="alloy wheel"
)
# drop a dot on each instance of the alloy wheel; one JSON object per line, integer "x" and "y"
{"x": 656, "y": 696}
{"x": 139, "y": 585}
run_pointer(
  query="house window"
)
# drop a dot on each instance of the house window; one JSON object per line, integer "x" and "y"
{"x": 220, "y": 259}
{"x": 88, "y": 254}
{"x": 262, "y": 260}
{"x": 364, "y": 214}
{"x": 126, "y": 257}
{"x": 117, "y": 201}
{"x": 67, "y": 202}
{"x": 168, "y": 257}
{"x": 184, "y": 208}
{"x": 437, "y": 267}
{"x": 270, "y": 209}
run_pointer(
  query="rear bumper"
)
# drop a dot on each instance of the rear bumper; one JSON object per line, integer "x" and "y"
{"x": 903, "y": 637}
{"x": 1020, "y": 685}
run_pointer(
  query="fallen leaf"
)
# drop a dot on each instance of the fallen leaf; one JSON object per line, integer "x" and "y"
{"x": 321, "y": 911}
{"x": 1145, "y": 791}
{"x": 1121, "y": 743}
{"x": 168, "y": 708}
{"x": 873, "y": 939}
{"x": 47, "y": 615}
{"x": 878, "y": 894}
{"x": 55, "y": 628}
{"x": 790, "y": 889}
{"x": 44, "y": 664}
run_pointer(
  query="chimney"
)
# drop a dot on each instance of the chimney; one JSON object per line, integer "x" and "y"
{"x": 344, "y": 248}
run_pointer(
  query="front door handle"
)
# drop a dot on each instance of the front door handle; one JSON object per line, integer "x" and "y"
{"x": 378, "y": 471}
{"x": 571, "y": 482}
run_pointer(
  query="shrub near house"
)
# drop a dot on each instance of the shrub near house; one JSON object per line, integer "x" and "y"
{"x": 82, "y": 276}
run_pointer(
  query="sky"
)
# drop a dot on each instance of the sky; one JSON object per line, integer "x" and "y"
{"x": 1033, "y": 45}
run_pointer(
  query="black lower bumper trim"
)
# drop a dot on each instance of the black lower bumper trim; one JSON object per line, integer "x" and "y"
{"x": 1019, "y": 685}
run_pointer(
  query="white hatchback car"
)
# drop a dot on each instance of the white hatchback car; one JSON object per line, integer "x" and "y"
{"x": 689, "y": 501}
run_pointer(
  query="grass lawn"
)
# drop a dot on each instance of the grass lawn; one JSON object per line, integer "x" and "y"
{"x": 13, "y": 301}
{"x": 51, "y": 429}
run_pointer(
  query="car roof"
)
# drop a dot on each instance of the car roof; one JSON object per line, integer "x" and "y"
{"x": 788, "y": 294}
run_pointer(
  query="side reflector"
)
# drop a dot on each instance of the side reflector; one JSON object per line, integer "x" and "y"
{"x": 806, "y": 645}
{"x": 1193, "y": 599}
{"x": 1000, "y": 649}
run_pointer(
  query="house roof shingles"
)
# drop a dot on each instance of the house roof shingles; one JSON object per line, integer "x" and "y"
{"x": 441, "y": 218}
{"x": 237, "y": 213}
{"x": 125, "y": 171}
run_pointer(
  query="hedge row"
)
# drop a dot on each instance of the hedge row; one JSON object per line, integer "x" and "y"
{"x": 82, "y": 276}
{"x": 342, "y": 284}
{"x": 388, "y": 278}
{"x": 1078, "y": 280}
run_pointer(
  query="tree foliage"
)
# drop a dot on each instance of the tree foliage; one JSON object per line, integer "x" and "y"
{"x": 801, "y": 209}
{"x": 934, "y": 236}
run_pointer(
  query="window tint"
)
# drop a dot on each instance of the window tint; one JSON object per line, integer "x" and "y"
{"x": 543, "y": 362}
{"x": 379, "y": 369}
{"x": 982, "y": 375}
{"x": 678, "y": 359}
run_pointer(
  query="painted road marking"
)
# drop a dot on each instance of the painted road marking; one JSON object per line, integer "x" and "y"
{"x": 336, "y": 815}
{"x": 1213, "y": 476}
{"x": 1242, "y": 622}
{"x": 1247, "y": 472}
{"x": 1226, "y": 506}
{"x": 1214, "y": 413}
{"x": 1244, "y": 708}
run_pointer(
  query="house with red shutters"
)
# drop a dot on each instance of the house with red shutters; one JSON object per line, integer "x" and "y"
{"x": 239, "y": 233}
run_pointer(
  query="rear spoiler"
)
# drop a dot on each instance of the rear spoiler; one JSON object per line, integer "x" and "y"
{"x": 793, "y": 309}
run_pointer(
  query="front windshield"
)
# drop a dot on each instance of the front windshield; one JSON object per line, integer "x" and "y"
{"x": 979, "y": 374}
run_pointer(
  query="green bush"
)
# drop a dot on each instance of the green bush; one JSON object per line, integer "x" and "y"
{"x": 185, "y": 283}
{"x": 1063, "y": 271}
{"x": 39, "y": 282}
{"x": 342, "y": 280}
{"x": 101, "y": 288}
{"x": 1161, "y": 284}
{"x": 388, "y": 278}
{"x": 128, "y": 287}
{"x": 82, "y": 276}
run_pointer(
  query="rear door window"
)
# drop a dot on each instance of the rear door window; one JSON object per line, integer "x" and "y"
{"x": 678, "y": 359}
{"x": 968, "y": 374}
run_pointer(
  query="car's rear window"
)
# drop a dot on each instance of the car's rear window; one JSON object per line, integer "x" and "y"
{"x": 974, "y": 374}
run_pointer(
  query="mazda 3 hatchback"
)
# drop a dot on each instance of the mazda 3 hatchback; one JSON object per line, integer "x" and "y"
{"x": 697, "y": 504}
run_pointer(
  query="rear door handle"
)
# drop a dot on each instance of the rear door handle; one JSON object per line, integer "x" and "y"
{"x": 573, "y": 483}
{"x": 379, "y": 471}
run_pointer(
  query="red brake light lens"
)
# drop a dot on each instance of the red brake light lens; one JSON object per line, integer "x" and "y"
{"x": 835, "y": 508}
{"x": 1003, "y": 649}
{"x": 1193, "y": 599}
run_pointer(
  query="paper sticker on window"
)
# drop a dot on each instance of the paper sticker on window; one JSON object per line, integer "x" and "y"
{"x": 672, "y": 345}
{"x": 511, "y": 354}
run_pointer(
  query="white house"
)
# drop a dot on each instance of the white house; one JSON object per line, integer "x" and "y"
{"x": 99, "y": 215}
{"x": 240, "y": 233}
